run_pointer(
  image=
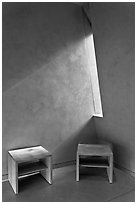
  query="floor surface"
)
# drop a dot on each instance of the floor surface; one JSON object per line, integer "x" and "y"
{"x": 92, "y": 187}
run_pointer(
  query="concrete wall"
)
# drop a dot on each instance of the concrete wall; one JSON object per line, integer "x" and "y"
{"x": 113, "y": 28}
{"x": 47, "y": 97}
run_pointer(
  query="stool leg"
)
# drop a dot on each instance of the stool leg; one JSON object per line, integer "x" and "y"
{"x": 47, "y": 173}
{"x": 110, "y": 169}
{"x": 77, "y": 167}
{"x": 13, "y": 173}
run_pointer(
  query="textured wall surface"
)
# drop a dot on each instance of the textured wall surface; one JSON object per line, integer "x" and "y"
{"x": 113, "y": 28}
{"x": 47, "y": 97}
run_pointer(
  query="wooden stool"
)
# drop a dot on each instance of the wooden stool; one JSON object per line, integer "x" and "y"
{"x": 95, "y": 155}
{"x": 27, "y": 161}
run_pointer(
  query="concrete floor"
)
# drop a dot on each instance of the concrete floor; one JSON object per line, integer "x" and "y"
{"x": 92, "y": 187}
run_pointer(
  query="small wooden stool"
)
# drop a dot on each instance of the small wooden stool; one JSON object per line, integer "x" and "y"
{"x": 27, "y": 161}
{"x": 95, "y": 155}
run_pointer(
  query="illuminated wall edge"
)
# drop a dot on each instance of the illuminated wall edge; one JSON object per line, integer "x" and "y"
{"x": 89, "y": 41}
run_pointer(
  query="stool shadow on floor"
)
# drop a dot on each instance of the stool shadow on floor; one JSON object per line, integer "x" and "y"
{"x": 30, "y": 181}
{"x": 95, "y": 174}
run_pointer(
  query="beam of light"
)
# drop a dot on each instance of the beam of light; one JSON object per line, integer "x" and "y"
{"x": 94, "y": 75}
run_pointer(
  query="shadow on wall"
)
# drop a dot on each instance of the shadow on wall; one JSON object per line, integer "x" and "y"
{"x": 34, "y": 34}
{"x": 49, "y": 106}
{"x": 121, "y": 153}
{"x": 86, "y": 134}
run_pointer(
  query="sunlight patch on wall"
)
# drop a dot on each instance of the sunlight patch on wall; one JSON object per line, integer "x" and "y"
{"x": 91, "y": 57}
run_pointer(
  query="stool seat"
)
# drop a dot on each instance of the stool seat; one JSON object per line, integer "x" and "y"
{"x": 94, "y": 149}
{"x": 95, "y": 155}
